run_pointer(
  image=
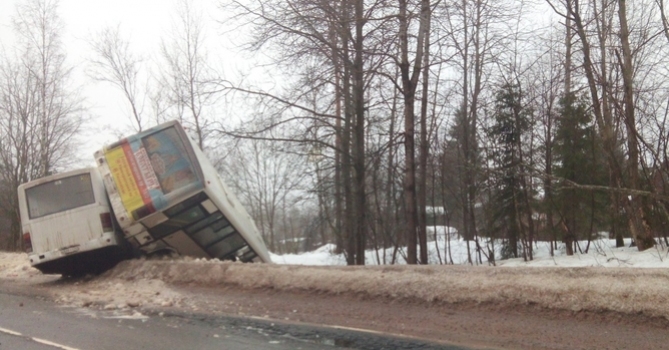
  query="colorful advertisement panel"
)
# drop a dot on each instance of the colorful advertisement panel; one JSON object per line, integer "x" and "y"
{"x": 147, "y": 168}
{"x": 169, "y": 160}
{"x": 129, "y": 182}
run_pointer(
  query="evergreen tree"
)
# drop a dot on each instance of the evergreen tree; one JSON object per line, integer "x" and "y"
{"x": 511, "y": 210}
{"x": 578, "y": 159}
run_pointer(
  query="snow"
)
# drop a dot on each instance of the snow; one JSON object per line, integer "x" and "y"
{"x": 321, "y": 256}
{"x": 602, "y": 252}
{"x": 605, "y": 278}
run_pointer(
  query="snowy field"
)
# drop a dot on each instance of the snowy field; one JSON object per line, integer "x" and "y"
{"x": 621, "y": 280}
{"x": 601, "y": 252}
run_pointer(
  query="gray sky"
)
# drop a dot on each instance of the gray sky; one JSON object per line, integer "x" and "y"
{"x": 143, "y": 22}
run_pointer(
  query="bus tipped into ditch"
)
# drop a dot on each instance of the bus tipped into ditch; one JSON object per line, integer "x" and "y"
{"x": 67, "y": 224}
{"x": 166, "y": 195}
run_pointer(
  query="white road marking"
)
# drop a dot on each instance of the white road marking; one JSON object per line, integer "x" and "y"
{"x": 365, "y": 331}
{"x": 41, "y": 341}
{"x": 55, "y": 345}
{"x": 9, "y": 331}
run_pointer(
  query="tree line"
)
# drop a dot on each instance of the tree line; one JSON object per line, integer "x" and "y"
{"x": 523, "y": 120}
{"x": 512, "y": 121}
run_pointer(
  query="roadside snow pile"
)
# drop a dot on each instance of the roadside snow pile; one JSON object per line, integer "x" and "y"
{"x": 594, "y": 289}
{"x": 113, "y": 294}
{"x": 107, "y": 293}
{"x": 598, "y": 281}
{"x": 604, "y": 279}
{"x": 16, "y": 266}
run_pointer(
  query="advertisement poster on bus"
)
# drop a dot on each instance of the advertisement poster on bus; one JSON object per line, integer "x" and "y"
{"x": 169, "y": 160}
{"x": 147, "y": 167}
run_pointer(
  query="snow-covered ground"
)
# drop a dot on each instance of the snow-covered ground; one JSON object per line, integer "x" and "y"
{"x": 605, "y": 279}
{"x": 600, "y": 252}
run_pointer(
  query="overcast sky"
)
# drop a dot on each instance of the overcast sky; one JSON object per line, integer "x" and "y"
{"x": 144, "y": 22}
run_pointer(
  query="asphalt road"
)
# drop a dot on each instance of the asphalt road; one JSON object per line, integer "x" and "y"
{"x": 28, "y": 322}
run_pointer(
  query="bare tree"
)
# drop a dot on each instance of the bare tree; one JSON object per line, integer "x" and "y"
{"x": 187, "y": 75}
{"x": 39, "y": 29}
{"x": 475, "y": 30}
{"x": 19, "y": 140}
{"x": 116, "y": 64}
{"x": 268, "y": 180}
{"x": 322, "y": 46}
{"x": 40, "y": 116}
{"x": 410, "y": 76}
{"x": 601, "y": 86}
{"x": 638, "y": 222}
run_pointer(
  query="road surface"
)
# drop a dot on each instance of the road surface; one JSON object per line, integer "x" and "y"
{"x": 28, "y": 322}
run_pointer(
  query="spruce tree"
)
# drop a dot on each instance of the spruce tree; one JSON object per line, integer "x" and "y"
{"x": 511, "y": 122}
{"x": 578, "y": 159}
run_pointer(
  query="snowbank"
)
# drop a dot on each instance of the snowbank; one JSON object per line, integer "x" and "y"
{"x": 594, "y": 289}
{"x": 605, "y": 279}
{"x": 16, "y": 266}
{"x": 107, "y": 293}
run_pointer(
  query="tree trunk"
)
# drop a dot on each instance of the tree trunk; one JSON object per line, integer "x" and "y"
{"x": 409, "y": 84}
{"x": 338, "y": 216}
{"x": 638, "y": 226}
{"x": 348, "y": 224}
{"x": 409, "y": 148}
{"x": 359, "y": 137}
{"x": 424, "y": 146}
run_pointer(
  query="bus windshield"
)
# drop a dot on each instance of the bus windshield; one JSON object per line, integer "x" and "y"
{"x": 60, "y": 195}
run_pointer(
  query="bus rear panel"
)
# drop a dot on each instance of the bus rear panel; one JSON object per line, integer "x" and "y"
{"x": 167, "y": 196}
{"x": 68, "y": 227}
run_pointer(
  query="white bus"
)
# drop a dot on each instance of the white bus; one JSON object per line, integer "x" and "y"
{"x": 167, "y": 196}
{"x": 68, "y": 226}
